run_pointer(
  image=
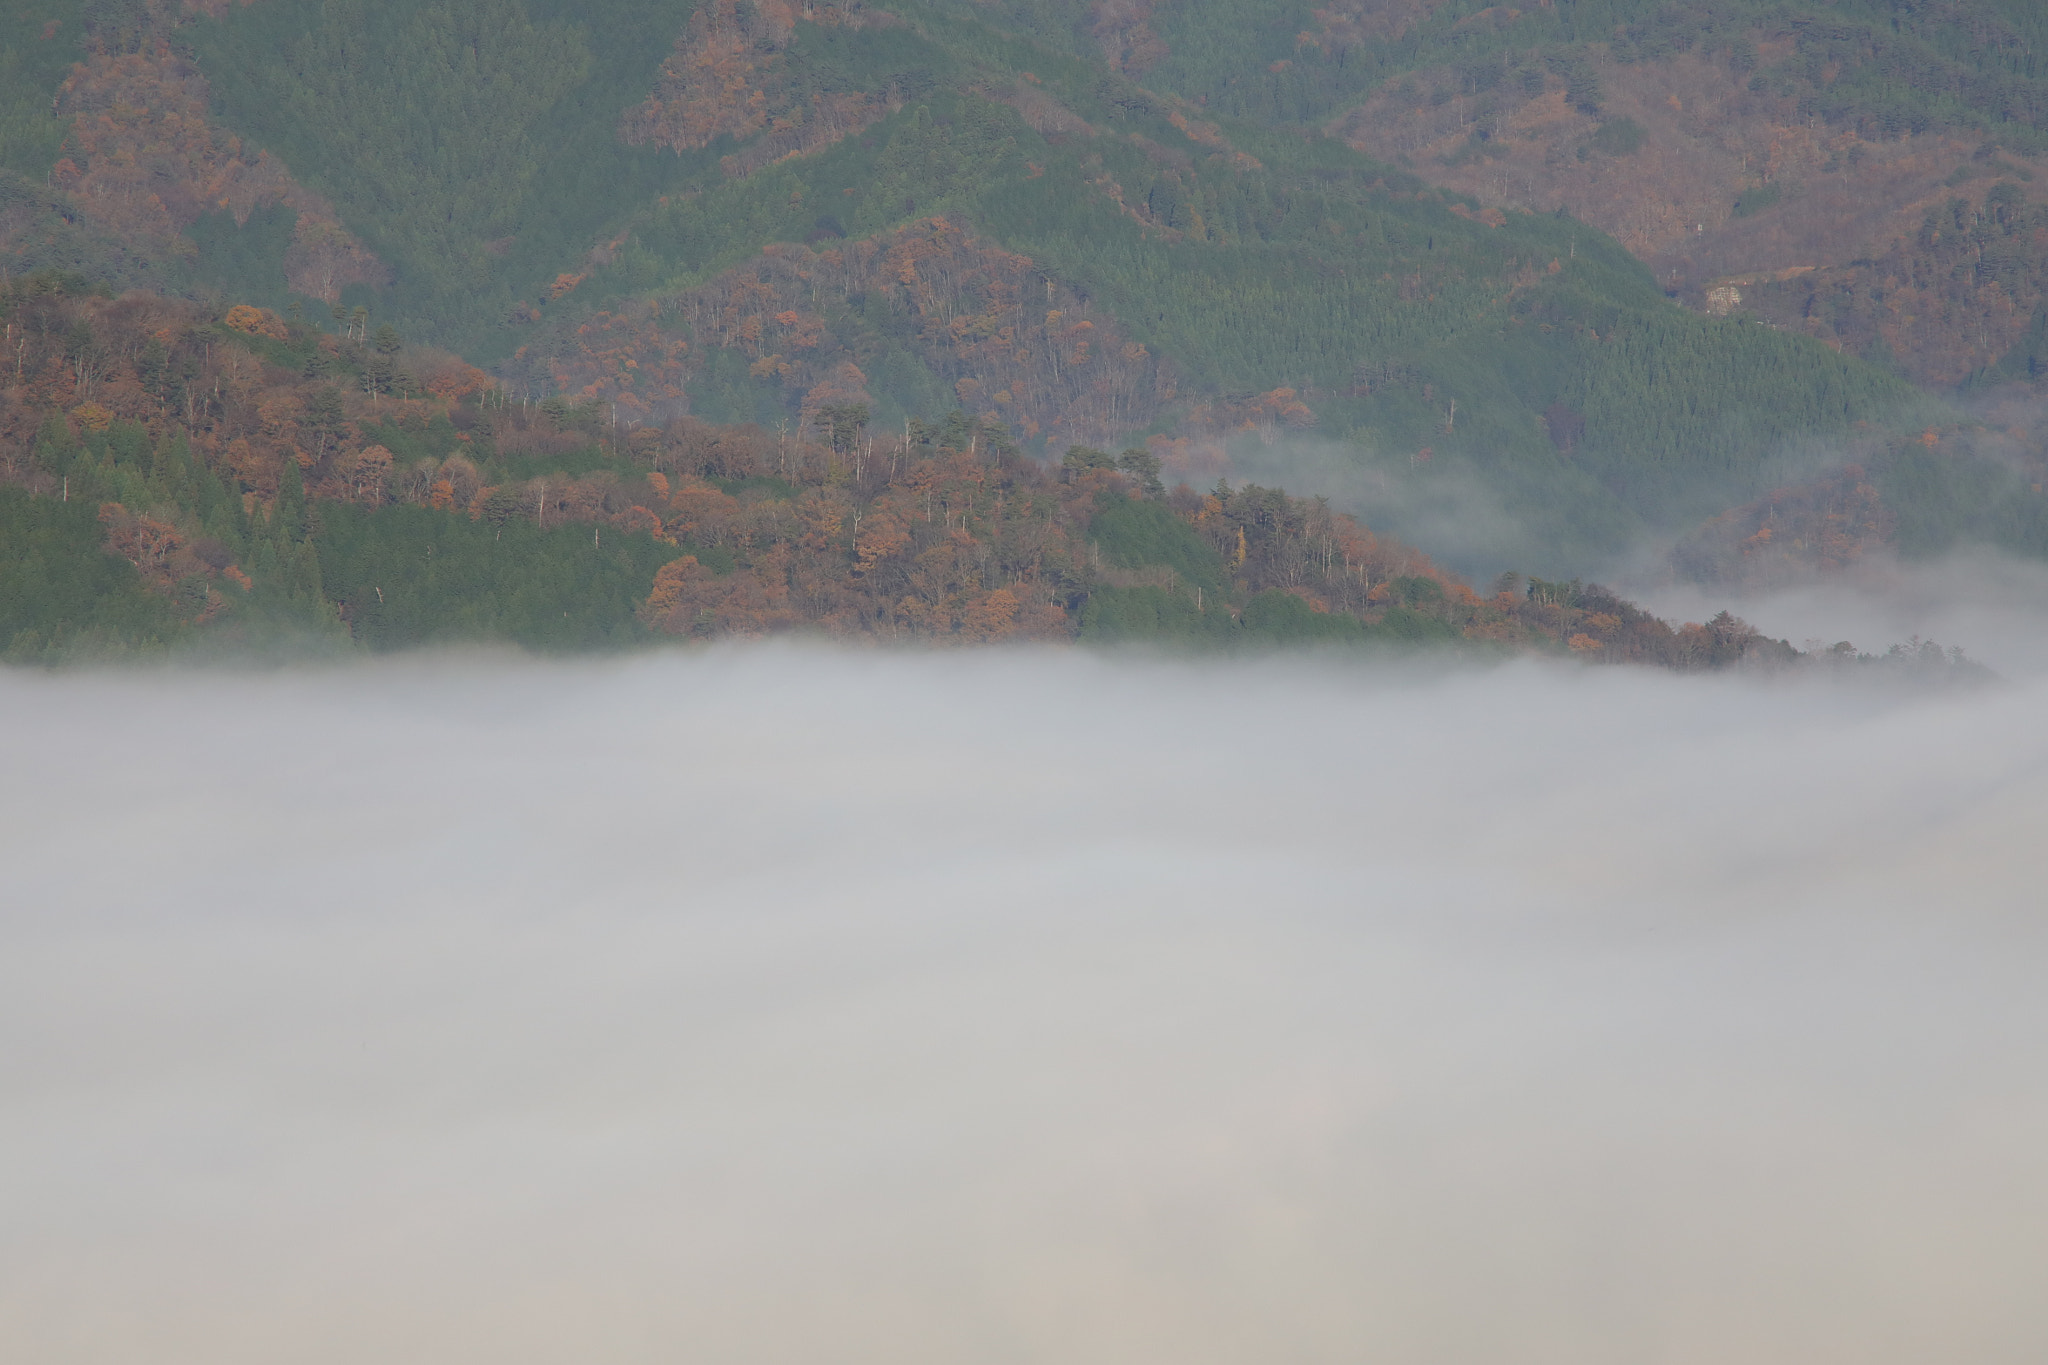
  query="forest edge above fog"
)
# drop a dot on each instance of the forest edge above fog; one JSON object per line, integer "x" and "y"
{"x": 269, "y": 505}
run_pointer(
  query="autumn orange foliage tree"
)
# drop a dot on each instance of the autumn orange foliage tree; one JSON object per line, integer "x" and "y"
{"x": 144, "y": 160}
{"x": 729, "y": 77}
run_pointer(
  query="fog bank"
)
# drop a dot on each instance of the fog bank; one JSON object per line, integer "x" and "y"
{"x": 791, "y": 1005}
{"x": 1993, "y": 604}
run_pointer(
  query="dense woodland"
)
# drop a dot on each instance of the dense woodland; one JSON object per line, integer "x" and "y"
{"x": 1889, "y": 68}
{"x": 172, "y": 480}
{"x": 878, "y": 240}
{"x": 709, "y": 212}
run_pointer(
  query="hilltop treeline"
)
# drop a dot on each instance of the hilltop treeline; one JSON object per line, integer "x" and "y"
{"x": 168, "y": 476}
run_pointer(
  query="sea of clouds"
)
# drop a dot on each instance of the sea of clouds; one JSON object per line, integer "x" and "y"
{"x": 790, "y": 1004}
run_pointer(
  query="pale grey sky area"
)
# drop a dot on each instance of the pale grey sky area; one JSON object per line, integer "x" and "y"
{"x": 767, "y": 1005}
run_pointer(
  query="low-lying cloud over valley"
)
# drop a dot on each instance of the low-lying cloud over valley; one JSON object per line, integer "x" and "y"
{"x": 792, "y": 1004}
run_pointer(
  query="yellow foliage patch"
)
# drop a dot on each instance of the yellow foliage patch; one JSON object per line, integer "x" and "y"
{"x": 253, "y": 321}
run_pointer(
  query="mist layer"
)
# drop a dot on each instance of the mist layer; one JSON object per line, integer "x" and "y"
{"x": 778, "y": 1005}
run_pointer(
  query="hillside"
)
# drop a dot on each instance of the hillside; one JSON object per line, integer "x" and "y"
{"x": 172, "y": 481}
{"x": 1744, "y": 174}
{"x": 688, "y": 212}
{"x": 1778, "y": 156}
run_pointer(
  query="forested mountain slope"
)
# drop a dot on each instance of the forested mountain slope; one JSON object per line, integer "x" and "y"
{"x": 1865, "y": 171}
{"x": 175, "y": 480}
{"x": 767, "y": 211}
